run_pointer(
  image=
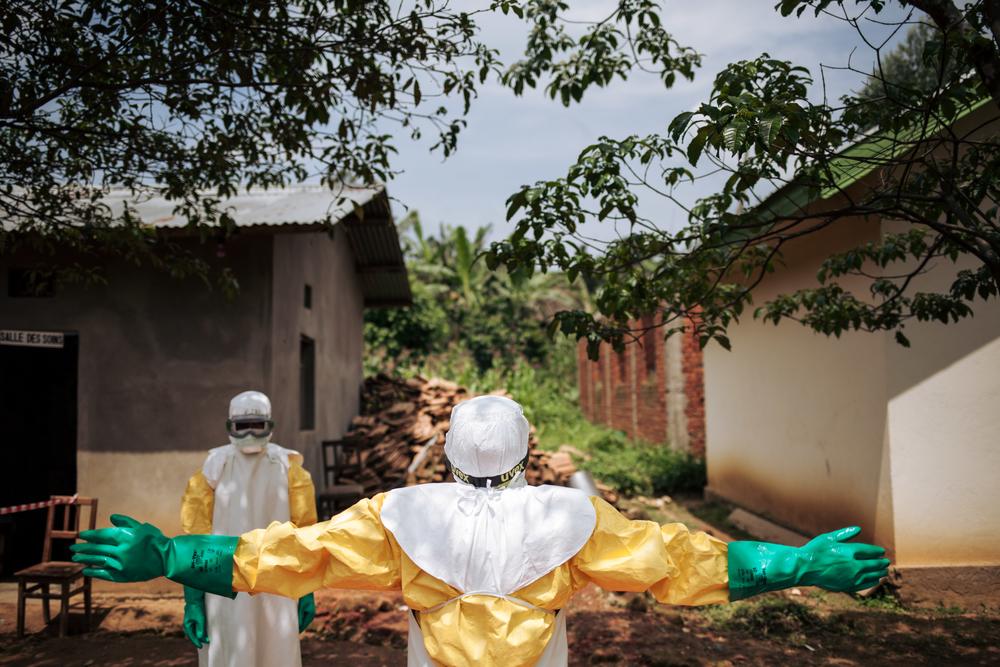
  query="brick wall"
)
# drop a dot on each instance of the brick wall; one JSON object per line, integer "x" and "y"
{"x": 694, "y": 391}
{"x": 628, "y": 390}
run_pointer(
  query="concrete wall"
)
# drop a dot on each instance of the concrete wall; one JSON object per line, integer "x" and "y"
{"x": 796, "y": 421}
{"x": 944, "y": 432}
{"x": 816, "y": 432}
{"x": 159, "y": 359}
{"x": 334, "y": 322}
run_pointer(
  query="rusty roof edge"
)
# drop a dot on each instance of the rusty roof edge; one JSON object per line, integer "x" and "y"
{"x": 362, "y": 233}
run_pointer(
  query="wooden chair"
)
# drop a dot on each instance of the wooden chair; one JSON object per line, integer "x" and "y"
{"x": 341, "y": 461}
{"x": 340, "y": 458}
{"x": 34, "y": 582}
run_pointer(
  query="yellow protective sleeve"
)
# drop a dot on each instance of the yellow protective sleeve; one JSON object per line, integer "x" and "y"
{"x": 351, "y": 550}
{"x": 197, "y": 506}
{"x": 301, "y": 494}
{"x": 674, "y": 564}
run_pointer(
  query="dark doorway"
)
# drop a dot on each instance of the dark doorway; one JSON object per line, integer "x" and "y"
{"x": 38, "y": 412}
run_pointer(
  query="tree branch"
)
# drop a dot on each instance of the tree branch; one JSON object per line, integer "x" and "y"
{"x": 948, "y": 18}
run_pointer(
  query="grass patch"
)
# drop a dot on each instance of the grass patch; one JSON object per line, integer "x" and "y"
{"x": 950, "y": 610}
{"x": 766, "y": 617}
{"x": 883, "y": 600}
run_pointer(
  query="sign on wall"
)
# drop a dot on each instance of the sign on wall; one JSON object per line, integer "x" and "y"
{"x": 31, "y": 338}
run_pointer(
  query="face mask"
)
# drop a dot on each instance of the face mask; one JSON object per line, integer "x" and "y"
{"x": 249, "y": 444}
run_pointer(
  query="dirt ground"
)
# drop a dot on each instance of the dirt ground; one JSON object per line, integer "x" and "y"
{"x": 140, "y": 625}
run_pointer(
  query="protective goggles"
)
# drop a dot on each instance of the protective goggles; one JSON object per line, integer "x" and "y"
{"x": 249, "y": 426}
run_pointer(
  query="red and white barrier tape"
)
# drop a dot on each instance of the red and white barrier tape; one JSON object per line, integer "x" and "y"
{"x": 39, "y": 505}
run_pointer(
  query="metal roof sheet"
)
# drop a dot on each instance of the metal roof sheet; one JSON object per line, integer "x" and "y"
{"x": 364, "y": 213}
{"x": 853, "y": 163}
{"x": 295, "y": 205}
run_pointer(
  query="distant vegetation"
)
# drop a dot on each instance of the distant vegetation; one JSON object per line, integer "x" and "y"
{"x": 486, "y": 331}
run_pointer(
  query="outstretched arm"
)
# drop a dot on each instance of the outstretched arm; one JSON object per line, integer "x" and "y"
{"x": 351, "y": 550}
{"x": 676, "y": 565}
{"x": 679, "y": 566}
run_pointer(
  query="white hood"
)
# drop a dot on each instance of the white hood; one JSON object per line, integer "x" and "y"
{"x": 494, "y": 540}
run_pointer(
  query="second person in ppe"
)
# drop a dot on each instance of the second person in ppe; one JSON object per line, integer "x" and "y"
{"x": 247, "y": 484}
{"x": 486, "y": 564}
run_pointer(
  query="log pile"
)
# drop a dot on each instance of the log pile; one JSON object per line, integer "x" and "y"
{"x": 401, "y": 434}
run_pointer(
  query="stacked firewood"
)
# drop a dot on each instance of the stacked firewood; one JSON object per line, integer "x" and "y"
{"x": 401, "y": 434}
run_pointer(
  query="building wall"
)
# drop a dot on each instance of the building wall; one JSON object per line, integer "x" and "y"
{"x": 692, "y": 367}
{"x": 334, "y": 322}
{"x": 943, "y": 429}
{"x": 159, "y": 359}
{"x": 796, "y": 421}
{"x": 818, "y": 432}
{"x": 795, "y": 425}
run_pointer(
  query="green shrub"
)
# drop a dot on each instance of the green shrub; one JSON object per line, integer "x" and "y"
{"x": 643, "y": 468}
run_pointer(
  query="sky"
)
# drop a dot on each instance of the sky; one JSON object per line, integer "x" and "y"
{"x": 513, "y": 141}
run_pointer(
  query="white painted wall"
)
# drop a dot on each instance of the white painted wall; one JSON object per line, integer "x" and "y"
{"x": 819, "y": 432}
{"x": 795, "y": 425}
{"x": 795, "y": 421}
{"x": 944, "y": 429}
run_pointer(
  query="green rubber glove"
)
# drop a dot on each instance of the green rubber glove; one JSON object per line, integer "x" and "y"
{"x": 195, "y": 622}
{"x": 133, "y": 551}
{"x": 307, "y": 611}
{"x": 826, "y": 561}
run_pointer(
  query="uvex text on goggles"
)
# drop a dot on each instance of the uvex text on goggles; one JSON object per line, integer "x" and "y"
{"x": 494, "y": 481}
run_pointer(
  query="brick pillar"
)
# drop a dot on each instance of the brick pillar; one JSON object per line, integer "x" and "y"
{"x": 694, "y": 390}
{"x": 633, "y": 391}
{"x": 608, "y": 383}
{"x": 584, "y": 380}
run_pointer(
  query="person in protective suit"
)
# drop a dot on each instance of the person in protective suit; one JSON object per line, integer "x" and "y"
{"x": 247, "y": 484}
{"x": 486, "y": 564}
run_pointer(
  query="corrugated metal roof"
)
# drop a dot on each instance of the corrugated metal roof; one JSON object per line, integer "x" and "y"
{"x": 296, "y": 205}
{"x": 364, "y": 213}
{"x": 853, "y": 163}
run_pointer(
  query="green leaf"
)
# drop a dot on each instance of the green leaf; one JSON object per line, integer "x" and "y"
{"x": 696, "y": 147}
{"x": 770, "y": 129}
{"x": 786, "y": 7}
{"x": 735, "y": 134}
{"x": 679, "y": 125}
{"x": 515, "y": 202}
